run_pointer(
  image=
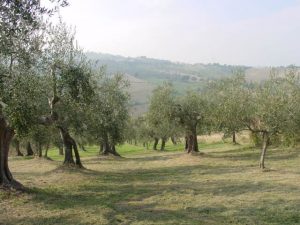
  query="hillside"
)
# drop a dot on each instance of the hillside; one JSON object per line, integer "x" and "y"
{"x": 145, "y": 74}
{"x": 149, "y": 69}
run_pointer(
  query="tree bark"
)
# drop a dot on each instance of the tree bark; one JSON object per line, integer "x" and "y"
{"x": 196, "y": 147}
{"x": 105, "y": 146}
{"x": 69, "y": 144}
{"x": 19, "y": 153}
{"x": 234, "y": 137}
{"x": 77, "y": 156}
{"x": 155, "y": 143}
{"x": 186, "y": 143}
{"x": 114, "y": 151}
{"x": 163, "y": 144}
{"x": 266, "y": 141}
{"x": 108, "y": 148}
{"x": 192, "y": 142}
{"x": 39, "y": 150}
{"x": 29, "y": 149}
{"x": 6, "y": 135}
{"x": 46, "y": 151}
{"x": 173, "y": 139}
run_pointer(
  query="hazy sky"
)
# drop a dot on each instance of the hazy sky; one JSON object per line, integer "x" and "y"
{"x": 248, "y": 32}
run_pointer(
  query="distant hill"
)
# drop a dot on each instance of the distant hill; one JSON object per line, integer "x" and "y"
{"x": 259, "y": 74}
{"x": 149, "y": 69}
{"x": 144, "y": 74}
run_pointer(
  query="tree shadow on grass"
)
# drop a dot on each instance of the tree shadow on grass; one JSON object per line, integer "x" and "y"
{"x": 155, "y": 158}
{"x": 251, "y": 153}
{"x": 45, "y": 220}
{"x": 110, "y": 187}
{"x": 125, "y": 193}
{"x": 126, "y": 203}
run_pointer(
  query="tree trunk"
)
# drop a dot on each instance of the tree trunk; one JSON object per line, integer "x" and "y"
{"x": 186, "y": 143}
{"x": 196, "y": 148}
{"x": 29, "y": 149}
{"x": 101, "y": 147}
{"x": 266, "y": 141}
{"x": 77, "y": 156}
{"x": 114, "y": 151}
{"x": 155, "y": 143}
{"x": 234, "y": 137}
{"x": 46, "y": 151}
{"x": 69, "y": 144}
{"x": 163, "y": 144}
{"x": 173, "y": 139}
{"x": 192, "y": 142}
{"x": 19, "y": 153}
{"x": 6, "y": 178}
{"x": 107, "y": 148}
{"x": 39, "y": 150}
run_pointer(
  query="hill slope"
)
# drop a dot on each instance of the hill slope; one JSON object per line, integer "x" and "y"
{"x": 145, "y": 74}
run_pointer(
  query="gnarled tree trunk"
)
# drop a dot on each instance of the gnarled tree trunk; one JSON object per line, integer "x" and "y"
{"x": 107, "y": 149}
{"x": 69, "y": 145}
{"x": 265, "y": 144}
{"x": 192, "y": 141}
{"x": 163, "y": 144}
{"x": 6, "y": 135}
{"x": 155, "y": 143}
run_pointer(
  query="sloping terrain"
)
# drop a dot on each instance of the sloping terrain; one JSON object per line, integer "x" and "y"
{"x": 145, "y": 74}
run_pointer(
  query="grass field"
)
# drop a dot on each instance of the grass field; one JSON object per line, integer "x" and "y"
{"x": 223, "y": 185}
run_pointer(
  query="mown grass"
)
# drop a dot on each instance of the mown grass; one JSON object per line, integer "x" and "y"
{"x": 221, "y": 186}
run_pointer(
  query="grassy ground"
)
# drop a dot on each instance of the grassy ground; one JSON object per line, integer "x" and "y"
{"x": 221, "y": 186}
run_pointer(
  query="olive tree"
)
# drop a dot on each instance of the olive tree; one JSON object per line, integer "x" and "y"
{"x": 228, "y": 97}
{"x": 20, "y": 27}
{"x": 159, "y": 114}
{"x": 271, "y": 110}
{"x": 70, "y": 87}
{"x": 191, "y": 111}
{"x": 109, "y": 113}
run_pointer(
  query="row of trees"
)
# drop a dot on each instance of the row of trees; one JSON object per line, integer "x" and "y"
{"x": 49, "y": 89}
{"x": 270, "y": 110}
{"x": 50, "y": 94}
